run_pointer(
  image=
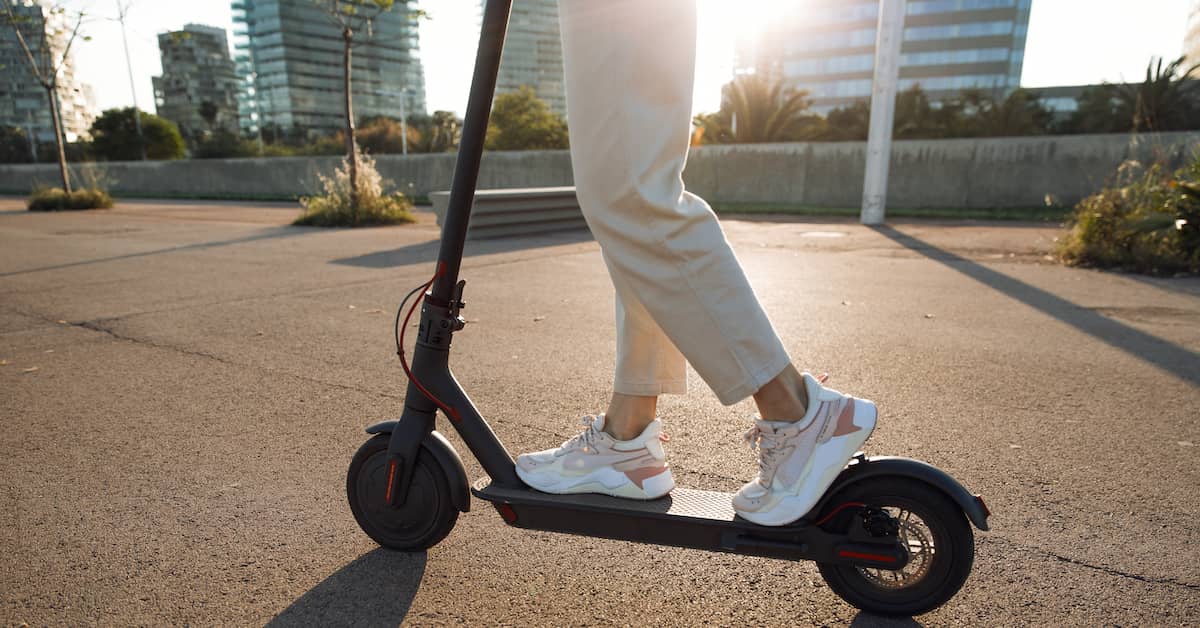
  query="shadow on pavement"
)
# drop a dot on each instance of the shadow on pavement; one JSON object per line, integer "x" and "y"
{"x": 428, "y": 251}
{"x": 1172, "y": 358}
{"x": 377, "y": 590}
{"x": 277, "y": 232}
{"x": 866, "y": 620}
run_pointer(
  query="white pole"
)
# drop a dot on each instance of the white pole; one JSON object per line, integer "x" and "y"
{"x": 122, "y": 9}
{"x": 403, "y": 122}
{"x": 889, "y": 35}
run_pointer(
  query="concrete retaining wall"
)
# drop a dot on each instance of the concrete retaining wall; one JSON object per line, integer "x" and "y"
{"x": 968, "y": 173}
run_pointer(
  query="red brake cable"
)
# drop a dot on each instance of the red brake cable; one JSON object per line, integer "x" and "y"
{"x": 446, "y": 408}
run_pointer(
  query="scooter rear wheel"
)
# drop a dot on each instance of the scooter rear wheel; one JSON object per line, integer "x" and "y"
{"x": 939, "y": 539}
{"x": 425, "y": 517}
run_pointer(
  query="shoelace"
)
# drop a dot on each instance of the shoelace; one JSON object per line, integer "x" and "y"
{"x": 768, "y": 447}
{"x": 588, "y": 436}
{"x": 768, "y": 452}
{"x": 585, "y": 439}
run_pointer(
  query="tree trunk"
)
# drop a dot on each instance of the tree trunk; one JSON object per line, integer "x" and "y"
{"x": 52, "y": 95}
{"x": 351, "y": 143}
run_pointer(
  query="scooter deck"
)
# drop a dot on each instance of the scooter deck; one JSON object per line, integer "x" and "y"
{"x": 684, "y": 518}
{"x": 681, "y": 502}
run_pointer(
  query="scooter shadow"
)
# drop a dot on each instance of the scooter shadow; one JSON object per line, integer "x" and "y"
{"x": 867, "y": 620}
{"x": 376, "y": 589}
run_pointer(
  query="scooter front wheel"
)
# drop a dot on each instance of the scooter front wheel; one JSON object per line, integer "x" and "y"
{"x": 425, "y": 517}
{"x": 932, "y": 527}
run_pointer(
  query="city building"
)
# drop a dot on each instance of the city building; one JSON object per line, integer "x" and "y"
{"x": 289, "y": 58}
{"x": 1191, "y": 37}
{"x": 533, "y": 53}
{"x": 197, "y": 69}
{"x": 827, "y": 47}
{"x": 23, "y": 101}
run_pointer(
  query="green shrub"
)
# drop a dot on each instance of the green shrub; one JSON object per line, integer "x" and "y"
{"x": 46, "y": 199}
{"x": 375, "y": 207}
{"x": 1146, "y": 221}
{"x": 223, "y": 144}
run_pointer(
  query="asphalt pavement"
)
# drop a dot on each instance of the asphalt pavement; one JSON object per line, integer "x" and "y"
{"x": 182, "y": 385}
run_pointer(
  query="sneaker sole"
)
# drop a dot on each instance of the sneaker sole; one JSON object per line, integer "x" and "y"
{"x": 830, "y": 457}
{"x": 599, "y": 482}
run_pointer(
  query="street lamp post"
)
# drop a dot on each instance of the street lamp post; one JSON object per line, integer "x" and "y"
{"x": 403, "y": 94}
{"x": 403, "y": 122}
{"x": 257, "y": 110}
{"x": 33, "y": 141}
{"x": 122, "y": 9}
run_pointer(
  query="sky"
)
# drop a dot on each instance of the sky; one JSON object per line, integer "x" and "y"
{"x": 1070, "y": 42}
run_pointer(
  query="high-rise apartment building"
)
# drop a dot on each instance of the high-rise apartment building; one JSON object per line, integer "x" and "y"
{"x": 827, "y": 47}
{"x": 289, "y": 56}
{"x": 1191, "y": 38}
{"x": 198, "y": 87}
{"x": 533, "y": 53}
{"x": 23, "y": 102}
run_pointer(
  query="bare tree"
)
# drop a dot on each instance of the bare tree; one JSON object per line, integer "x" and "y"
{"x": 45, "y": 66}
{"x": 352, "y": 17}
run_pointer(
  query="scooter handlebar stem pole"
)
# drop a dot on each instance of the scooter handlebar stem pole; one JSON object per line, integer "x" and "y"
{"x": 439, "y": 312}
{"x": 470, "y": 150}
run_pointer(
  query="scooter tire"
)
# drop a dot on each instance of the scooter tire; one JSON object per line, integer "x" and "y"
{"x": 941, "y": 546}
{"x": 422, "y": 521}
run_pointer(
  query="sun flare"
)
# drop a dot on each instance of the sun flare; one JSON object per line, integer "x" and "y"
{"x": 721, "y": 25}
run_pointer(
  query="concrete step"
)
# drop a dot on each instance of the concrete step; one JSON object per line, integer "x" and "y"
{"x": 517, "y": 212}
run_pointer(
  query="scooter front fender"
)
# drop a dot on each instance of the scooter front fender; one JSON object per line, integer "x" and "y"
{"x": 447, "y": 458}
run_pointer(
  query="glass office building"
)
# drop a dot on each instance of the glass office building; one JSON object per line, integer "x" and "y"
{"x": 827, "y": 47}
{"x": 289, "y": 57}
{"x": 533, "y": 53}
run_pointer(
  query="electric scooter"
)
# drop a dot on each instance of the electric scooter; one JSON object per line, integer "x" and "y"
{"x": 890, "y": 536}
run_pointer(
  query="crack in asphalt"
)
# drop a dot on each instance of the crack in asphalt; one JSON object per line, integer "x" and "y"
{"x": 97, "y": 326}
{"x": 293, "y": 293}
{"x": 1100, "y": 568}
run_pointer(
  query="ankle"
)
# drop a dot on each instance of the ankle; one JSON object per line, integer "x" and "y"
{"x": 784, "y": 398}
{"x": 628, "y": 416}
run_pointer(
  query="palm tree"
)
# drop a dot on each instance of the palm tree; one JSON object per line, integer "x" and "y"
{"x": 439, "y": 133}
{"x": 759, "y": 108}
{"x": 1166, "y": 100}
{"x": 1020, "y": 113}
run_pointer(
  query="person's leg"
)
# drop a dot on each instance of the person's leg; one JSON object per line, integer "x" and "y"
{"x": 629, "y": 74}
{"x": 647, "y": 365}
{"x": 620, "y": 453}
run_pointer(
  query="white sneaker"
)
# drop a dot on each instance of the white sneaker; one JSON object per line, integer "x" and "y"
{"x": 595, "y": 462}
{"x": 798, "y": 461}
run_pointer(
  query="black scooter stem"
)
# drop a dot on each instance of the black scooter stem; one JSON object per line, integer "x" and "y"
{"x": 439, "y": 312}
{"x": 470, "y": 148}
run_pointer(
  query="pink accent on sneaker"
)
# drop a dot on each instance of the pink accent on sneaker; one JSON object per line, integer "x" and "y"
{"x": 640, "y": 475}
{"x": 595, "y": 462}
{"x": 845, "y": 421}
{"x": 798, "y": 461}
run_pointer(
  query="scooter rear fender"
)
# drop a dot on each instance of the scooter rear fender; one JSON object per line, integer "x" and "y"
{"x": 862, "y": 469}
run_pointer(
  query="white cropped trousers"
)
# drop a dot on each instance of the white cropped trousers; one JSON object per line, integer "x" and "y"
{"x": 680, "y": 291}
